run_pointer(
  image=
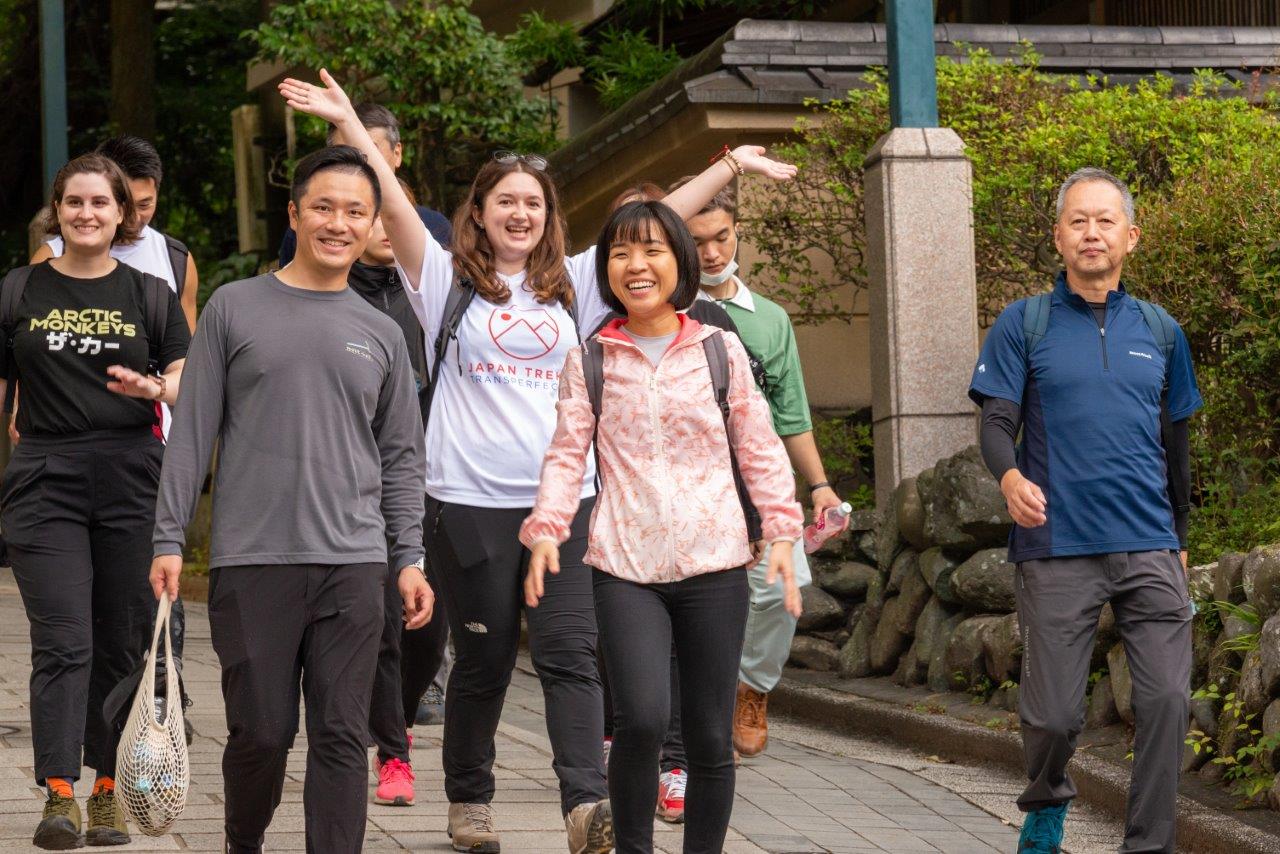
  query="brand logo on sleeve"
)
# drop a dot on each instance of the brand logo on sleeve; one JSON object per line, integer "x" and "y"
{"x": 364, "y": 351}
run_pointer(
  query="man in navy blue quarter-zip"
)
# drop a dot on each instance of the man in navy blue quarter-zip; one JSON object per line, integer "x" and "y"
{"x": 1101, "y": 385}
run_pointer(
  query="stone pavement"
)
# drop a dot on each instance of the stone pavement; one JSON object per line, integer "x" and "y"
{"x": 812, "y": 791}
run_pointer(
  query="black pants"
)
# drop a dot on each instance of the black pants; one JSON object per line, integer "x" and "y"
{"x": 78, "y": 514}
{"x": 407, "y": 662}
{"x": 482, "y": 565}
{"x": 672, "y": 756}
{"x": 706, "y": 615}
{"x": 274, "y": 627}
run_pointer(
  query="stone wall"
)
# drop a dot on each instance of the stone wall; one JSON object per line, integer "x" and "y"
{"x": 920, "y": 591}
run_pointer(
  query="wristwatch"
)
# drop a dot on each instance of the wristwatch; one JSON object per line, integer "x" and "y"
{"x": 163, "y": 385}
{"x": 420, "y": 565}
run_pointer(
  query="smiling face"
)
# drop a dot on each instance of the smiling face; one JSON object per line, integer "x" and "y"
{"x": 333, "y": 219}
{"x": 88, "y": 213}
{"x": 716, "y": 235}
{"x": 514, "y": 217}
{"x": 1093, "y": 234}
{"x": 643, "y": 274}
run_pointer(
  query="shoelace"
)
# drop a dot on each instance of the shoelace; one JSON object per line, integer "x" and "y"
{"x": 676, "y": 785}
{"x": 753, "y": 710}
{"x": 1043, "y": 830}
{"x": 433, "y": 697}
{"x": 58, "y": 805}
{"x": 480, "y": 816}
{"x": 102, "y": 808}
{"x": 396, "y": 771}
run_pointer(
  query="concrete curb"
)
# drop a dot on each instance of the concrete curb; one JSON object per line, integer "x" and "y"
{"x": 1200, "y": 828}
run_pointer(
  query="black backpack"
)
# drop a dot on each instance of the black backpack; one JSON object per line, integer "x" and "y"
{"x": 178, "y": 254}
{"x": 15, "y": 285}
{"x": 719, "y": 368}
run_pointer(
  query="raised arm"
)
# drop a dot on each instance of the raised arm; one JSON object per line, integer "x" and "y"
{"x": 693, "y": 196}
{"x": 408, "y": 236}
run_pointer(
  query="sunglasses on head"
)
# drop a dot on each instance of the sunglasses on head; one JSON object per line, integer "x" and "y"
{"x": 533, "y": 161}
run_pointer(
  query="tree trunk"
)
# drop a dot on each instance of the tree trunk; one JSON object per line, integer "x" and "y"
{"x": 133, "y": 67}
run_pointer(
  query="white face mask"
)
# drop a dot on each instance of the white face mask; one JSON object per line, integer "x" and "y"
{"x": 712, "y": 280}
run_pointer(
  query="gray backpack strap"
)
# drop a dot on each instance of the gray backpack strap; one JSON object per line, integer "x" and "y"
{"x": 11, "y": 290}
{"x": 593, "y": 376}
{"x": 1035, "y": 321}
{"x": 1161, "y": 326}
{"x": 178, "y": 253}
{"x": 461, "y": 293}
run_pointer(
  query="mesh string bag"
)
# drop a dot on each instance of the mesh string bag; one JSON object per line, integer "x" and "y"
{"x": 152, "y": 770}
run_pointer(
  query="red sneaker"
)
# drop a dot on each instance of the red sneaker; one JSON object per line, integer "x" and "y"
{"x": 395, "y": 784}
{"x": 671, "y": 786}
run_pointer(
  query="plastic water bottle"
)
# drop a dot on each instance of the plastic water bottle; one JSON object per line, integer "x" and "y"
{"x": 826, "y": 526}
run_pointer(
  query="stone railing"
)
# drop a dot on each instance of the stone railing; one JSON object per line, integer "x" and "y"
{"x": 920, "y": 591}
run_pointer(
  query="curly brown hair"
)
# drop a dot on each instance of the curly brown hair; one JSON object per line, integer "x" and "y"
{"x": 96, "y": 164}
{"x": 473, "y": 256}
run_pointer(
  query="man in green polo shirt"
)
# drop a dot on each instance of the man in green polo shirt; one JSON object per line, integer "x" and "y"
{"x": 765, "y": 329}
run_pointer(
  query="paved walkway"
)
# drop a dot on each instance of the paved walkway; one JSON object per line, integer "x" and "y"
{"x": 811, "y": 792}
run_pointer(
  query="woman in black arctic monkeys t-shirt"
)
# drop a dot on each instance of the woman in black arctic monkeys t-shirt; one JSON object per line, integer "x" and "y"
{"x": 77, "y": 502}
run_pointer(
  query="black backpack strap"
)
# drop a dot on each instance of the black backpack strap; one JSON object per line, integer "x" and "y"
{"x": 461, "y": 293}
{"x": 593, "y": 376}
{"x": 156, "y": 294}
{"x": 718, "y": 364}
{"x": 178, "y": 254}
{"x": 11, "y": 291}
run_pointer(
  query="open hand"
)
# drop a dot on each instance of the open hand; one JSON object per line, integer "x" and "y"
{"x": 752, "y": 160}
{"x": 781, "y": 564}
{"x": 327, "y": 102}
{"x": 130, "y": 383}
{"x": 544, "y": 558}
{"x": 1025, "y": 500}
{"x": 418, "y": 598}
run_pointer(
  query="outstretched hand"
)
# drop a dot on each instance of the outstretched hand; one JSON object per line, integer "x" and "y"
{"x": 130, "y": 383}
{"x": 752, "y": 160}
{"x": 327, "y": 102}
{"x": 544, "y": 557}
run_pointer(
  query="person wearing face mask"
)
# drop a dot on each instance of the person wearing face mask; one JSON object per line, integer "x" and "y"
{"x": 407, "y": 660}
{"x": 308, "y": 394}
{"x": 668, "y": 540}
{"x": 94, "y": 344}
{"x": 495, "y": 373}
{"x": 766, "y": 330}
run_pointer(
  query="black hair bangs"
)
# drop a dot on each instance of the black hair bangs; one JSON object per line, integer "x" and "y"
{"x": 646, "y": 222}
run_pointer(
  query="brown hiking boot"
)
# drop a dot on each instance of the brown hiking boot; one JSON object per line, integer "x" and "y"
{"x": 471, "y": 828}
{"x": 750, "y": 721}
{"x": 590, "y": 828}
{"x": 59, "y": 827}
{"x": 106, "y": 820}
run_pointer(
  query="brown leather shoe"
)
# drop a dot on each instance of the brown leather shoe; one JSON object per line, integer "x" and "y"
{"x": 750, "y": 721}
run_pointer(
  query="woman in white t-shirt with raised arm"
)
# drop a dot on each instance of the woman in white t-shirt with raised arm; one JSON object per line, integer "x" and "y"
{"x": 491, "y": 422}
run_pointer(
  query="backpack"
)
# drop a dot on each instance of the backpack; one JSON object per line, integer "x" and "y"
{"x": 718, "y": 366}
{"x": 461, "y": 293}
{"x": 178, "y": 254}
{"x": 15, "y": 285}
{"x": 1035, "y": 323}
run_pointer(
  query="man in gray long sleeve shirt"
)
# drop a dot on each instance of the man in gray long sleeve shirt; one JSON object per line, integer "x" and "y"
{"x": 309, "y": 393}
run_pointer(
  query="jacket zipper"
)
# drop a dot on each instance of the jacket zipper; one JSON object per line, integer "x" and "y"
{"x": 1102, "y": 331}
{"x": 655, "y": 427}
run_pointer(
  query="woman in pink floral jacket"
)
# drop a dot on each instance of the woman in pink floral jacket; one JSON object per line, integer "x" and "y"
{"x": 668, "y": 538}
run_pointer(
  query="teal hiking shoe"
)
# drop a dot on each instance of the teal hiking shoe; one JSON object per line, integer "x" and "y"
{"x": 1042, "y": 830}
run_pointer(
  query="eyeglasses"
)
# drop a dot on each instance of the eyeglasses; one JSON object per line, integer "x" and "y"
{"x": 533, "y": 161}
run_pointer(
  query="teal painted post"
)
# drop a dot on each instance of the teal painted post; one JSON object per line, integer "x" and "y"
{"x": 53, "y": 88}
{"x": 913, "y": 85}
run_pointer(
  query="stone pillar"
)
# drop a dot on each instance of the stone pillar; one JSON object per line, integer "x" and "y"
{"x": 924, "y": 315}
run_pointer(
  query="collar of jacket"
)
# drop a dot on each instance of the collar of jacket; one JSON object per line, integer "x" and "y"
{"x": 690, "y": 330}
{"x": 1073, "y": 299}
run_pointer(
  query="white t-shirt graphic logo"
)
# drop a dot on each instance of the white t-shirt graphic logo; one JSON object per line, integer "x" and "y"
{"x": 524, "y": 334}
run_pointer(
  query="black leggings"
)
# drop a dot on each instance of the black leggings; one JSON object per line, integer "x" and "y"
{"x": 482, "y": 565}
{"x": 673, "y": 745}
{"x": 78, "y": 514}
{"x": 706, "y": 616}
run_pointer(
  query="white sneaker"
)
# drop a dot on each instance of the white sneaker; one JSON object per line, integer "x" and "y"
{"x": 671, "y": 786}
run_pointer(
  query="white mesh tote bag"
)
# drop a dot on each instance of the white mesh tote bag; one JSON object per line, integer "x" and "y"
{"x": 152, "y": 771}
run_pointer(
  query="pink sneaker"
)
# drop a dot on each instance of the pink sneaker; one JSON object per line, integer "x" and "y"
{"x": 395, "y": 784}
{"x": 671, "y": 786}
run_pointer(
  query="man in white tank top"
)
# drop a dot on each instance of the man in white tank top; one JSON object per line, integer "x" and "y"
{"x": 152, "y": 252}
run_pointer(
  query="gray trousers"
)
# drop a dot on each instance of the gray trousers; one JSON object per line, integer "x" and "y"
{"x": 1059, "y": 600}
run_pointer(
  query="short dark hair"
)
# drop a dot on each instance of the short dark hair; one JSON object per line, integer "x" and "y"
{"x": 340, "y": 158}
{"x": 136, "y": 157}
{"x": 372, "y": 116}
{"x": 634, "y": 222}
{"x": 726, "y": 200}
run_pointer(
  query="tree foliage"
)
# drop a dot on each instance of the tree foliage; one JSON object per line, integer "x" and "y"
{"x": 454, "y": 86}
{"x": 1204, "y": 165}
